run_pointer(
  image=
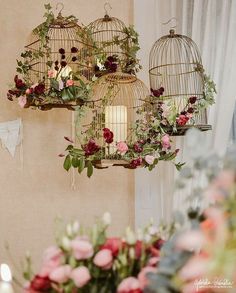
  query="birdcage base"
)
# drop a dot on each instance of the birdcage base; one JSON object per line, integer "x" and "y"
{"x": 181, "y": 130}
{"x": 50, "y": 106}
{"x": 103, "y": 164}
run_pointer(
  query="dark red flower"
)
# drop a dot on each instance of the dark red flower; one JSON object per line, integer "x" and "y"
{"x": 74, "y": 59}
{"x": 182, "y": 120}
{"x": 161, "y": 89}
{"x": 91, "y": 148}
{"x": 63, "y": 63}
{"x": 156, "y": 93}
{"x": 111, "y": 59}
{"x": 138, "y": 248}
{"x": 74, "y": 50}
{"x": 190, "y": 110}
{"x": 56, "y": 68}
{"x": 63, "y": 56}
{"x": 114, "y": 245}
{"x": 39, "y": 89}
{"x": 192, "y": 100}
{"x": 108, "y": 135}
{"x": 62, "y": 51}
{"x": 56, "y": 62}
{"x": 138, "y": 148}
{"x": 41, "y": 284}
{"x": 136, "y": 163}
{"x": 19, "y": 83}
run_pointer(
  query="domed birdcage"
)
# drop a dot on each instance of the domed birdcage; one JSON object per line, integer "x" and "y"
{"x": 175, "y": 64}
{"x": 112, "y": 40}
{"x": 117, "y": 97}
{"x": 66, "y": 45}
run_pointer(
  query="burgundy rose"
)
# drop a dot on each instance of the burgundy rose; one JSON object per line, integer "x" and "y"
{"x": 138, "y": 148}
{"x": 182, "y": 120}
{"x": 63, "y": 63}
{"x": 113, "y": 67}
{"x": 62, "y": 51}
{"x": 73, "y": 58}
{"x": 19, "y": 83}
{"x": 190, "y": 110}
{"x": 111, "y": 58}
{"x": 39, "y": 89}
{"x": 91, "y": 148}
{"x": 74, "y": 50}
{"x": 56, "y": 62}
{"x": 41, "y": 284}
{"x": 56, "y": 68}
{"x": 157, "y": 93}
{"x": 136, "y": 163}
{"x": 108, "y": 135}
{"x": 63, "y": 56}
{"x": 138, "y": 248}
{"x": 192, "y": 100}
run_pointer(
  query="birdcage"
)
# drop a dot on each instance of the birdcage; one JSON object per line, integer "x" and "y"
{"x": 111, "y": 38}
{"x": 175, "y": 64}
{"x": 65, "y": 44}
{"x": 117, "y": 97}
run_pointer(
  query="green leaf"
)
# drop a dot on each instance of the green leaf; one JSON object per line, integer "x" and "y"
{"x": 89, "y": 169}
{"x": 69, "y": 147}
{"x": 67, "y": 163}
{"x": 81, "y": 164}
{"x": 75, "y": 162}
{"x": 179, "y": 166}
{"x": 55, "y": 84}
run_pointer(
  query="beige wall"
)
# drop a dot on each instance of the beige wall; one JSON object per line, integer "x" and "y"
{"x": 32, "y": 195}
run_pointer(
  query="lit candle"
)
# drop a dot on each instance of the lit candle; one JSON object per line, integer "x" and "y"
{"x": 116, "y": 121}
{"x": 6, "y": 279}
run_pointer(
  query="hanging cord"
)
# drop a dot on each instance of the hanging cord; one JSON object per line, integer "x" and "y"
{"x": 73, "y": 185}
{"x": 107, "y": 4}
{"x": 171, "y": 20}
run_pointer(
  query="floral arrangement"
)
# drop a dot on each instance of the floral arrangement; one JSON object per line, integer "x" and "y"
{"x": 149, "y": 144}
{"x": 201, "y": 257}
{"x": 92, "y": 262}
{"x": 59, "y": 83}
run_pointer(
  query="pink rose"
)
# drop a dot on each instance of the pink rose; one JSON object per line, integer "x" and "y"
{"x": 61, "y": 274}
{"x": 182, "y": 120}
{"x": 165, "y": 141}
{"x": 70, "y": 82}
{"x": 153, "y": 261}
{"x": 149, "y": 159}
{"x": 51, "y": 260}
{"x": 22, "y": 100}
{"x": 80, "y": 276}
{"x": 142, "y": 276}
{"x": 129, "y": 285}
{"x": 103, "y": 259}
{"x": 122, "y": 147}
{"x": 50, "y": 73}
{"x": 82, "y": 249}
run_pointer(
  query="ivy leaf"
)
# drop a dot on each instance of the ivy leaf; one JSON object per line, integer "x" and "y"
{"x": 67, "y": 163}
{"x": 89, "y": 169}
{"x": 81, "y": 164}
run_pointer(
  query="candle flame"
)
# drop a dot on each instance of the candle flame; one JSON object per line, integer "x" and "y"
{"x": 5, "y": 273}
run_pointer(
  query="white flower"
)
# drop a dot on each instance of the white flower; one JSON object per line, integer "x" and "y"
{"x": 69, "y": 230}
{"x": 153, "y": 230}
{"x": 66, "y": 243}
{"x": 75, "y": 227}
{"x": 130, "y": 236}
{"x": 106, "y": 219}
{"x": 140, "y": 234}
{"x": 147, "y": 238}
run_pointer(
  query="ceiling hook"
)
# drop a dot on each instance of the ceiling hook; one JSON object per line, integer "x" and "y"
{"x": 62, "y": 7}
{"x": 107, "y": 4}
{"x": 171, "y": 20}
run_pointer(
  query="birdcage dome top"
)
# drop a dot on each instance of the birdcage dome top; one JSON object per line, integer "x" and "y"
{"x": 174, "y": 49}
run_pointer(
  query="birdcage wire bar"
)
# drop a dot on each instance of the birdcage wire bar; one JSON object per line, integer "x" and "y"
{"x": 175, "y": 63}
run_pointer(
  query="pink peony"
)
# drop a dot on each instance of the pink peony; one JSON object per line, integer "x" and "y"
{"x": 70, "y": 82}
{"x": 182, "y": 120}
{"x": 129, "y": 285}
{"x": 50, "y": 73}
{"x": 149, "y": 159}
{"x": 122, "y": 147}
{"x": 82, "y": 249}
{"x": 60, "y": 274}
{"x": 51, "y": 260}
{"x": 103, "y": 259}
{"x": 165, "y": 141}
{"x": 22, "y": 100}
{"x": 80, "y": 276}
{"x": 142, "y": 276}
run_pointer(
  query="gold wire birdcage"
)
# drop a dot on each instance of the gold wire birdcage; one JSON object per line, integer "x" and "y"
{"x": 117, "y": 97}
{"x": 63, "y": 33}
{"x": 109, "y": 33}
{"x": 175, "y": 64}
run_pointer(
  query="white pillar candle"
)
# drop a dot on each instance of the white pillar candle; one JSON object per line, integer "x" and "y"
{"x": 6, "y": 279}
{"x": 116, "y": 121}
